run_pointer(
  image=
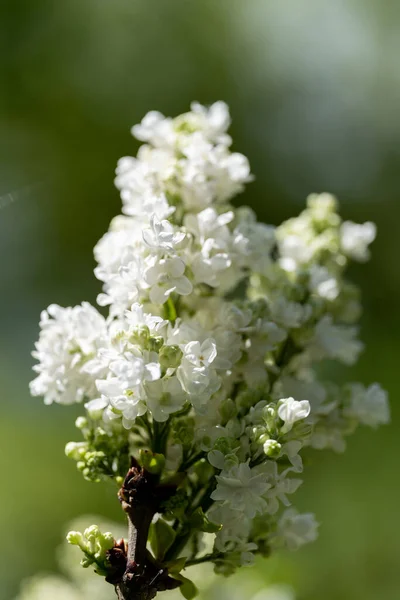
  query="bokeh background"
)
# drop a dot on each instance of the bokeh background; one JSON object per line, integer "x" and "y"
{"x": 314, "y": 91}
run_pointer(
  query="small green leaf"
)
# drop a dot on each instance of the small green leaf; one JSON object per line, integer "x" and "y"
{"x": 187, "y": 589}
{"x": 175, "y": 566}
{"x": 154, "y": 463}
{"x": 200, "y": 521}
{"x": 161, "y": 538}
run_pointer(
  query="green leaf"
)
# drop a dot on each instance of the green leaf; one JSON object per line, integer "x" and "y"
{"x": 200, "y": 521}
{"x": 152, "y": 462}
{"x": 161, "y": 538}
{"x": 175, "y": 566}
{"x": 187, "y": 589}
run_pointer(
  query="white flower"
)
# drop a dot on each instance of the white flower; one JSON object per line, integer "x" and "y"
{"x": 234, "y": 534}
{"x": 141, "y": 182}
{"x": 199, "y": 384}
{"x": 356, "y": 238}
{"x": 213, "y": 121}
{"x": 166, "y": 276}
{"x": 136, "y": 317}
{"x": 306, "y": 387}
{"x": 124, "y": 388}
{"x": 291, "y": 450}
{"x": 296, "y": 529}
{"x": 213, "y": 258}
{"x": 337, "y": 341}
{"x": 369, "y": 405}
{"x": 253, "y": 242}
{"x": 210, "y": 174}
{"x": 323, "y": 283}
{"x": 280, "y": 485}
{"x": 162, "y": 236}
{"x": 242, "y": 490}
{"x": 164, "y": 397}
{"x": 327, "y": 435}
{"x": 294, "y": 251}
{"x": 196, "y": 373}
{"x": 201, "y": 355}
{"x": 209, "y": 224}
{"x": 289, "y": 314}
{"x": 118, "y": 247}
{"x": 68, "y": 339}
{"x": 291, "y": 411}
{"x": 155, "y": 128}
{"x": 122, "y": 289}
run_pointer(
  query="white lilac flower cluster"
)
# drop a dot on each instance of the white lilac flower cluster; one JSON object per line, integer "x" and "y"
{"x": 216, "y": 326}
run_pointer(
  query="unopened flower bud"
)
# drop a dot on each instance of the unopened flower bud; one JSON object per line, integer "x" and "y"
{"x": 74, "y": 450}
{"x": 170, "y": 357}
{"x": 272, "y": 448}
{"x": 91, "y": 532}
{"x": 75, "y": 538}
{"x": 86, "y": 562}
{"x": 81, "y": 423}
{"x": 106, "y": 540}
{"x": 141, "y": 335}
{"x": 155, "y": 343}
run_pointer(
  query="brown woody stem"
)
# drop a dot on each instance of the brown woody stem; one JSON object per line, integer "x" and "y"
{"x": 140, "y": 497}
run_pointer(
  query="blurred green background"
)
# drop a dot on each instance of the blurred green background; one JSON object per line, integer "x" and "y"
{"x": 314, "y": 90}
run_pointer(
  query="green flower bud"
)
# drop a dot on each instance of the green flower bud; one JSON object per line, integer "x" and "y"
{"x": 170, "y": 357}
{"x": 155, "y": 343}
{"x": 269, "y": 416}
{"x": 224, "y": 445}
{"x": 89, "y": 476}
{"x": 86, "y": 561}
{"x": 106, "y": 541}
{"x": 76, "y": 450}
{"x": 81, "y": 423}
{"x": 322, "y": 206}
{"x": 96, "y": 414}
{"x": 75, "y": 538}
{"x": 258, "y": 434}
{"x": 272, "y": 448}
{"x": 92, "y": 532}
{"x": 140, "y": 336}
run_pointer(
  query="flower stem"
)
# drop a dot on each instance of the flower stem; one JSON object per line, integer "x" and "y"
{"x": 202, "y": 559}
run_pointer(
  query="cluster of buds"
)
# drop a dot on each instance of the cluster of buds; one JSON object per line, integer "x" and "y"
{"x": 95, "y": 547}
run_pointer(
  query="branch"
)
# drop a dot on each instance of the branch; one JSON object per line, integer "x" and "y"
{"x": 203, "y": 559}
{"x": 142, "y": 576}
